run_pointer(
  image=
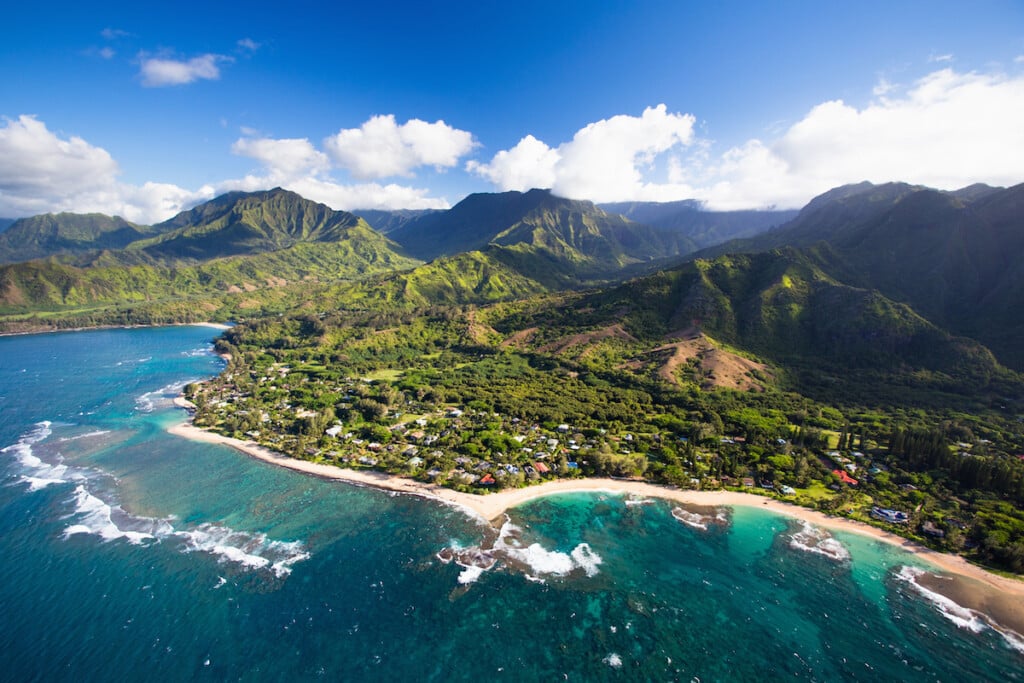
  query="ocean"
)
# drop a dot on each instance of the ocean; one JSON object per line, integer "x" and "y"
{"x": 127, "y": 553}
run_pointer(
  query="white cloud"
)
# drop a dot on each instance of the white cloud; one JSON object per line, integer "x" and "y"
{"x": 381, "y": 148}
{"x": 529, "y": 164}
{"x": 605, "y": 161}
{"x": 295, "y": 164}
{"x": 158, "y": 72}
{"x": 284, "y": 159}
{"x": 36, "y": 162}
{"x": 248, "y": 44}
{"x": 941, "y": 58}
{"x": 43, "y": 172}
{"x": 947, "y": 130}
{"x": 114, "y": 33}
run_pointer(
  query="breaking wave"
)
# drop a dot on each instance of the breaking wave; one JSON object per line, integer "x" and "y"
{"x": 699, "y": 521}
{"x": 814, "y": 539}
{"x": 94, "y": 516}
{"x": 534, "y": 560}
{"x": 148, "y": 402}
{"x": 963, "y": 617}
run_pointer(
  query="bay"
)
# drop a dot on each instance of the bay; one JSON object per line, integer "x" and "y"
{"x": 127, "y": 554}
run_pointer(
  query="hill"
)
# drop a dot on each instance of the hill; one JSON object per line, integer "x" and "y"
{"x": 240, "y": 242}
{"x": 705, "y": 228}
{"x": 249, "y": 223}
{"x": 577, "y": 229}
{"x": 955, "y": 257}
{"x": 66, "y": 233}
{"x": 386, "y": 222}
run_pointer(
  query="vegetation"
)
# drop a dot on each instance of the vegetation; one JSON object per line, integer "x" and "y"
{"x": 814, "y": 362}
{"x": 469, "y": 398}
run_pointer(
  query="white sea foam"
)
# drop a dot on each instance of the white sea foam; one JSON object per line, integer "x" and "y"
{"x": 613, "y": 660}
{"x": 813, "y": 539}
{"x": 469, "y": 574}
{"x": 691, "y": 519}
{"x": 36, "y": 472}
{"x": 963, "y": 617}
{"x": 248, "y": 550}
{"x": 98, "y": 518}
{"x": 92, "y": 515}
{"x": 147, "y": 402}
{"x": 630, "y": 502}
{"x": 39, "y": 483}
{"x": 543, "y": 561}
{"x": 98, "y": 432}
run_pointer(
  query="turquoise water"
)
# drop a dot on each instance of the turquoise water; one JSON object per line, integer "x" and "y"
{"x": 129, "y": 554}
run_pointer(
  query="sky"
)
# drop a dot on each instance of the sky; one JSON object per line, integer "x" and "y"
{"x": 144, "y": 109}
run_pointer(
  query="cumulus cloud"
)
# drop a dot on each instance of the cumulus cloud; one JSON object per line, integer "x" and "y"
{"x": 284, "y": 159}
{"x": 605, "y": 161}
{"x": 295, "y": 164}
{"x": 158, "y": 72}
{"x": 381, "y": 148}
{"x": 946, "y": 130}
{"x": 44, "y": 172}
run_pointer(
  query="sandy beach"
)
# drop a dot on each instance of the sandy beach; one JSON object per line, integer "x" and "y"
{"x": 979, "y": 589}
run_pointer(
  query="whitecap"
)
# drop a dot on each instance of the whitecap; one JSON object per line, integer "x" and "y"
{"x": 248, "y": 550}
{"x": 613, "y": 660}
{"x": 813, "y": 539}
{"x": 469, "y": 574}
{"x": 691, "y": 519}
{"x": 98, "y": 518}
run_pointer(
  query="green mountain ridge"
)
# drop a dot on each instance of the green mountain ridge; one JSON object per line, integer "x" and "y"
{"x": 66, "y": 233}
{"x": 955, "y": 257}
{"x": 240, "y": 241}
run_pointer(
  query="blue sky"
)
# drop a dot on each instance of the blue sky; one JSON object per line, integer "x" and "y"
{"x": 142, "y": 110}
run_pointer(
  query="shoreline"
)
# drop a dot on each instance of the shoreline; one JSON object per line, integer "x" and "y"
{"x": 493, "y": 506}
{"x": 212, "y": 325}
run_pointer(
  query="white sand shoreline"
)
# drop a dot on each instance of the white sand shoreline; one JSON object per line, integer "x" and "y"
{"x": 492, "y": 507}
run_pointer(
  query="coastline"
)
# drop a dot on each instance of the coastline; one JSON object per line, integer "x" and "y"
{"x": 493, "y": 506}
{"x": 51, "y": 330}
{"x": 961, "y": 591}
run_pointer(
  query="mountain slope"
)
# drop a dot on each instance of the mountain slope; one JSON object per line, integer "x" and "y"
{"x": 704, "y": 228}
{"x": 238, "y": 242}
{"x": 66, "y": 233}
{"x": 718, "y": 318}
{"x": 955, "y": 257}
{"x": 248, "y": 223}
{"x": 386, "y": 222}
{"x": 577, "y": 230}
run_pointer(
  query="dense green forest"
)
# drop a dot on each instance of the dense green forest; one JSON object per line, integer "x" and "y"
{"x": 455, "y": 396}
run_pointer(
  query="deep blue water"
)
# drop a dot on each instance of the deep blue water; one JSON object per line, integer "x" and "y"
{"x": 130, "y": 554}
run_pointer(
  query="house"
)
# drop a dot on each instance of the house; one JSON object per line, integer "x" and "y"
{"x": 929, "y": 529}
{"x": 844, "y": 477}
{"x": 487, "y": 480}
{"x": 891, "y": 516}
{"x": 541, "y": 467}
{"x": 563, "y": 428}
{"x": 748, "y": 481}
{"x": 333, "y": 431}
{"x": 787, "y": 490}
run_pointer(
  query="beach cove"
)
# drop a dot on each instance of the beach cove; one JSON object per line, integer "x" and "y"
{"x": 962, "y": 583}
{"x": 129, "y": 553}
